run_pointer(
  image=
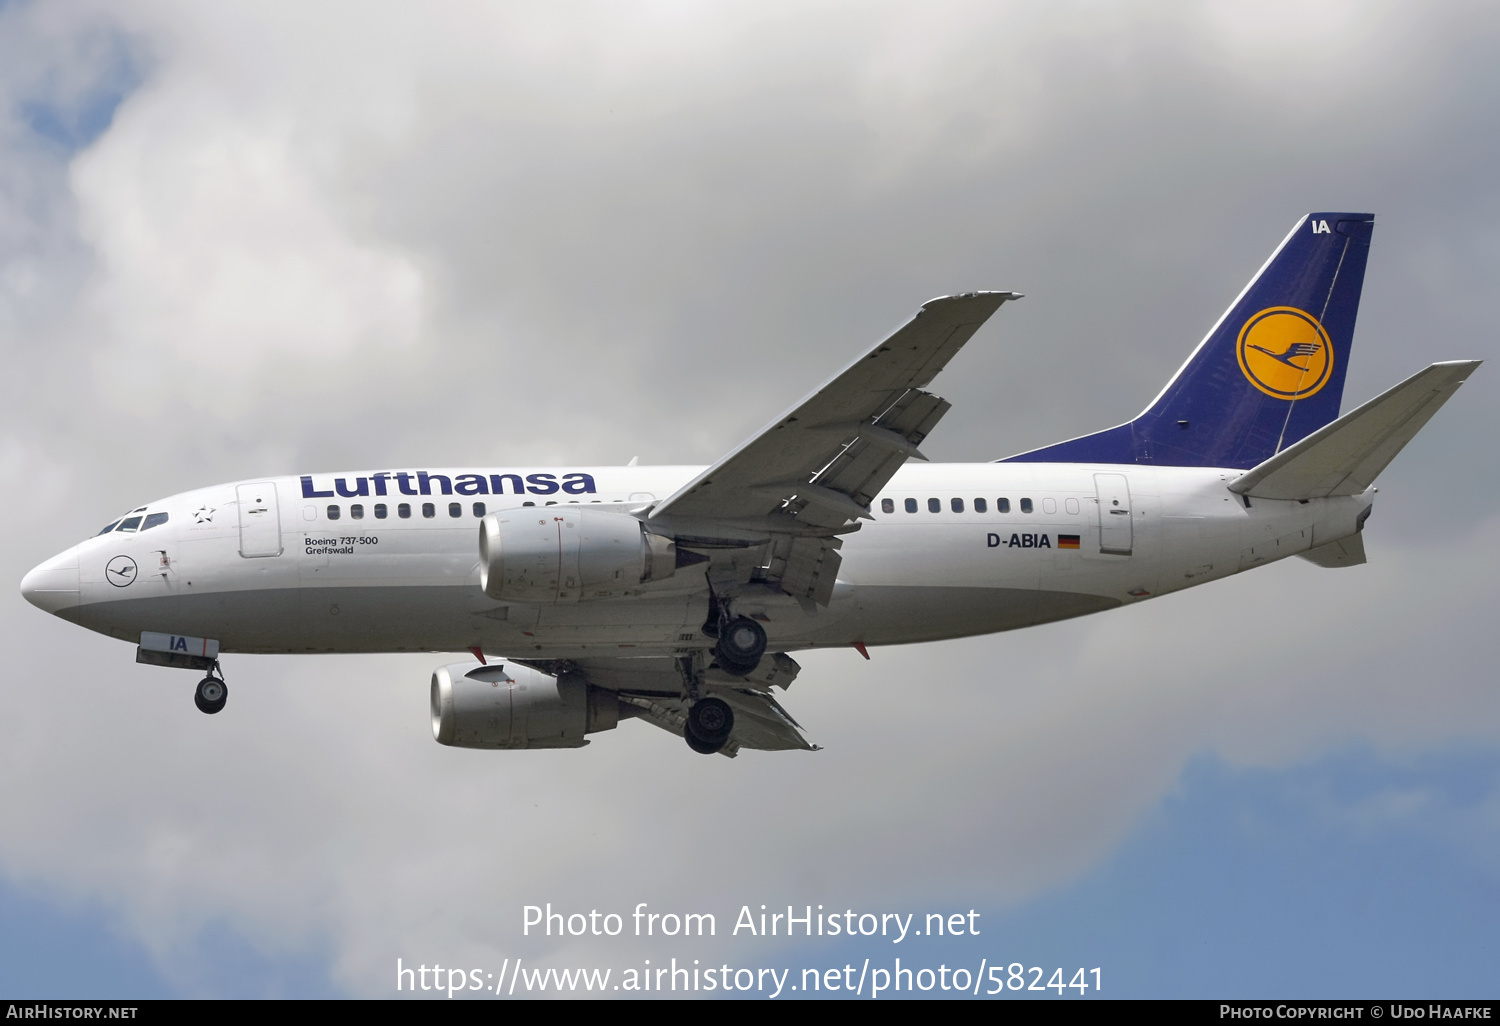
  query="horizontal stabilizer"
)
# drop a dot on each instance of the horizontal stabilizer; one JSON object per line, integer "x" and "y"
{"x": 1345, "y": 457}
{"x": 1348, "y": 551}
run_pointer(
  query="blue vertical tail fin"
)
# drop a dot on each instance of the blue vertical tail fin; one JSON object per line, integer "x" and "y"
{"x": 1269, "y": 373}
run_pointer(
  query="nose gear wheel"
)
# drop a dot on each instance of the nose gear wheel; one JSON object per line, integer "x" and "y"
{"x": 210, "y": 695}
{"x": 212, "y": 692}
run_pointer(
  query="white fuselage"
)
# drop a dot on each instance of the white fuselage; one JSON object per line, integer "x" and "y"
{"x": 288, "y": 576}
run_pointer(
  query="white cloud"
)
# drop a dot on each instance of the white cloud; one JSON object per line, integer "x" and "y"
{"x": 222, "y": 257}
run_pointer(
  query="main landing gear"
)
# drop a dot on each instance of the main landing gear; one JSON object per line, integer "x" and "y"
{"x": 739, "y": 641}
{"x": 710, "y": 720}
{"x": 709, "y": 724}
{"x": 212, "y": 692}
{"x": 742, "y": 642}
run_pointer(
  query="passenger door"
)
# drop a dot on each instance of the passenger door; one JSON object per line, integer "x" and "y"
{"x": 1116, "y": 535}
{"x": 260, "y": 520}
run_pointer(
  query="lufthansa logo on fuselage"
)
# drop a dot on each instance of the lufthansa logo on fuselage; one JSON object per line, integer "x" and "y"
{"x": 1285, "y": 352}
{"x": 423, "y": 483}
{"x": 120, "y": 571}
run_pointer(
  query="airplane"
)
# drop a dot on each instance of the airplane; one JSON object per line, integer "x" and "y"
{"x": 675, "y": 594}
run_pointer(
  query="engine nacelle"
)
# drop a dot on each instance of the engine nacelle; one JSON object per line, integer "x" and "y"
{"x": 509, "y": 706}
{"x": 564, "y": 554}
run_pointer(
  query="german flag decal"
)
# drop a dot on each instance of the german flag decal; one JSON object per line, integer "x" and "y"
{"x": 1067, "y": 541}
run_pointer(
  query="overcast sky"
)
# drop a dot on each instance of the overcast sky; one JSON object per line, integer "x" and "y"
{"x": 275, "y": 238}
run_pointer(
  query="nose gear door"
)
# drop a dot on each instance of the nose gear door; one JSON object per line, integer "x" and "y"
{"x": 1115, "y": 532}
{"x": 260, "y": 520}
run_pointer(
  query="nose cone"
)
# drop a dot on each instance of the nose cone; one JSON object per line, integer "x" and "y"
{"x": 53, "y": 586}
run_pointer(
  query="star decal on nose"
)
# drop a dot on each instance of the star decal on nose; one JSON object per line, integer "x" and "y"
{"x": 204, "y": 514}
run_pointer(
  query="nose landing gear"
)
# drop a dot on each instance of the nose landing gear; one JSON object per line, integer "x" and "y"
{"x": 211, "y": 693}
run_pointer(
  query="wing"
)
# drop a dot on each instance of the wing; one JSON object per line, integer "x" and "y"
{"x": 651, "y": 689}
{"x": 759, "y": 720}
{"x": 812, "y": 472}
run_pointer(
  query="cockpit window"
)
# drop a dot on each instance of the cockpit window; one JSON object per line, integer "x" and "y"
{"x": 129, "y": 524}
{"x": 154, "y": 520}
{"x": 112, "y": 525}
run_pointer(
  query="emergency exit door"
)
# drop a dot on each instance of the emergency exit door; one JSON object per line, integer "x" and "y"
{"x": 260, "y": 520}
{"x": 1115, "y": 532}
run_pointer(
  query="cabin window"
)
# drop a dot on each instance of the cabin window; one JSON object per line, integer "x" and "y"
{"x": 429, "y": 510}
{"x": 886, "y": 506}
{"x": 980, "y": 506}
{"x": 154, "y": 520}
{"x": 957, "y": 505}
{"x": 333, "y": 511}
{"x": 455, "y": 510}
{"x": 934, "y": 505}
{"x": 528, "y": 504}
{"x": 356, "y": 511}
{"x": 479, "y": 509}
{"x": 130, "y": 524}
{"x": 911, "y": 505}
{"x": 1025, "y": 505}
{"x": 1071, "y": 505}
{"x": 380, "y": 511}
{"x": 1002, "y": 505}
{"x": 404, "y": 511}
{"x": 1049, "y": 505}
{"x": 112, "y": 525}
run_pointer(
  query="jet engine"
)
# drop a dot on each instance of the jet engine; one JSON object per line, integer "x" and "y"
{"x": 500, "y": 706}
{"x": 564, "y": 554}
